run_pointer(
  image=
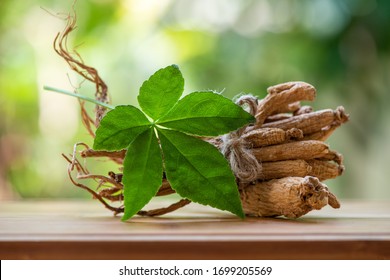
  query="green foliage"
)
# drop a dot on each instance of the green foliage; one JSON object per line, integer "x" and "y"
{"x": 163, "y": 89}
{"x": 142, "y": 172}
{"x": 119, "y": 128}
{"x": 197, "y": 114}
{"x": 195, "y": 169}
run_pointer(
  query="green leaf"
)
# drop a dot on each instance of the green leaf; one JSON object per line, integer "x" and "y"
{"x": 119, "y": 127}
{"x": 142, "y": 173}
{"x": 161, "y": 91}
{"x": 198, "y": 171}
{"x": 194, "y": 168}
{"x": 206, "y": 114}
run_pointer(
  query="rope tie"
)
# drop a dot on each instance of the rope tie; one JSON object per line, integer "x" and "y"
{"x": 238, "y": 151}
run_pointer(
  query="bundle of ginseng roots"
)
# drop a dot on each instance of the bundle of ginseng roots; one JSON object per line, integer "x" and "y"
{"x": 279, "y": 162}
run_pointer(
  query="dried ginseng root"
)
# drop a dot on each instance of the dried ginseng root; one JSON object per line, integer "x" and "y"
{"x": 286, "y": 142}
{"x": 291, "y": 197}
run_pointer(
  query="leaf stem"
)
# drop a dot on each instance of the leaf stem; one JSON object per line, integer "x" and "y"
{"x": 83, "y": 97}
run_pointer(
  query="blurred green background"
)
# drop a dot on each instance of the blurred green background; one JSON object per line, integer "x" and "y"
{"x": 340, "y": 47}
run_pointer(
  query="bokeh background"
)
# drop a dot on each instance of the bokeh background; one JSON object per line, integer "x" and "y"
{"x": 340, "y": 47}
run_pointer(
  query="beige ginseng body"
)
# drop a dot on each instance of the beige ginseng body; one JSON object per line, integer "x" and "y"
{"x": 281, "y": 161}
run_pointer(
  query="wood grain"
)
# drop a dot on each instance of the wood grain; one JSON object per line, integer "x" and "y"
{"x": 85, "y": 230}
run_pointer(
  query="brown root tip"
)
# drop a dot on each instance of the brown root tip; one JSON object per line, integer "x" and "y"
{"x": 316, "y": 193}
{"x": 333, "y": 201}
{"x": 340, "y": 115}
{"x": 289, "y": 85}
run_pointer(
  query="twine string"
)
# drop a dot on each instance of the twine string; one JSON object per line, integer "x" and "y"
{"x": 238, "y": 151}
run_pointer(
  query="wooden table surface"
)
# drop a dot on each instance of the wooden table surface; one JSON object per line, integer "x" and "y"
{"x": 86, "y": 230}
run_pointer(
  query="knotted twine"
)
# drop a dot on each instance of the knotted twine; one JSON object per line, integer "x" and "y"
{"x": 238, "y": 151}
